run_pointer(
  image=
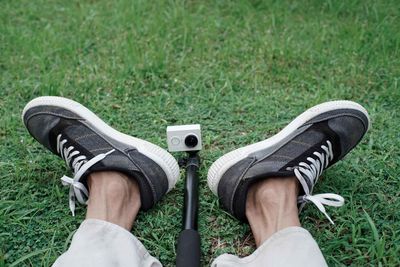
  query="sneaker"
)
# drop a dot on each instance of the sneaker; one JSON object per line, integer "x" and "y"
{"x": 311, "y": 143}
{"x": 87, "y": 144}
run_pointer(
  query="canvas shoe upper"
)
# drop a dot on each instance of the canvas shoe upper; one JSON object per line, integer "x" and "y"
{"x": 312, "y": 142}
{"x": 87, "y": 145}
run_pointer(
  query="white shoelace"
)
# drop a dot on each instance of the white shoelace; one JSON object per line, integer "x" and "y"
{"x": 77, "y": 191}
{"x": 313, "y": 171}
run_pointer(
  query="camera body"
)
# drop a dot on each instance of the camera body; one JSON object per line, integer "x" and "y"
{"x": 184, "y": 138}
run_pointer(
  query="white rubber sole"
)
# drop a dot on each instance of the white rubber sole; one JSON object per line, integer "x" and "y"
{"x": 221, "y": 165}
{"x": 164, "y": 159}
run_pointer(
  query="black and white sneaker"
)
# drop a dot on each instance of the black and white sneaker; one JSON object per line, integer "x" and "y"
{"x": 87, "y": 144}
{"x": 312, "y": 142}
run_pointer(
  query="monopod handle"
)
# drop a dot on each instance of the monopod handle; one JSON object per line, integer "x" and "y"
{"x": 188, "y": 251}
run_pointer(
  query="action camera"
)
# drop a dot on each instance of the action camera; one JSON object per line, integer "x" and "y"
{"x": 184, "y": 138}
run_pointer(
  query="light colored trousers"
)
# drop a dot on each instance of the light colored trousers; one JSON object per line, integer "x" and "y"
{"x": 103, "y": 244}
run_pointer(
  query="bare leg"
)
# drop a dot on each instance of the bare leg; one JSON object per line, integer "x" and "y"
{"x": 114, "y": 200}
{"x": 114, "y": 197}
{"x": 271, "y": 206}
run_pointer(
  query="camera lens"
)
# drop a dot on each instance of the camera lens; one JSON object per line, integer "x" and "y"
{"x": 191, "y": 140}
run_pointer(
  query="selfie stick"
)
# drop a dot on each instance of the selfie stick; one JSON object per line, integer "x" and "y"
{"x": 188, "y": 251}
{"x": 188, "y": 138}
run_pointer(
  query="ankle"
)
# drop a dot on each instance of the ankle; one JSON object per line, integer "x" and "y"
{"x": 111, "y": 185}
{"x": 114, "y": 197}
{"x": 272, "y": 206}
{"x": 273, "y": 192}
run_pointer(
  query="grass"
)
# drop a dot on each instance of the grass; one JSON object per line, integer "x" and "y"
{"x": 243, "y": 69}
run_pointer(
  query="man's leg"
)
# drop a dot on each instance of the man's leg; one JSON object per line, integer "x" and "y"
{"x": 114, "y": 198}
{"x": 265, "y": 183}
{"x": 271, "y": 210}
{"x": 103, "y": 239}
{"x": 272, "y": 206}
{"x": 93, "y": 150}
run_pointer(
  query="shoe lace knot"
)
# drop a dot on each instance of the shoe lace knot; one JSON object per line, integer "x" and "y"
{"x": 79, "y": 165}
{"x": 312, "y": 170}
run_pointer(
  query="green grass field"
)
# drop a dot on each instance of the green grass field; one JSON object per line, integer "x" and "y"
{"x": 242, "y": 69}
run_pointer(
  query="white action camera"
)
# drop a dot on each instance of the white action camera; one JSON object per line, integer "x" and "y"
{"x": 184, "y": 138}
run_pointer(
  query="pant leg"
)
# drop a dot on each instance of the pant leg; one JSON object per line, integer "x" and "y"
{"x": 292, "y": 246}
{"x": 102, "y": 244}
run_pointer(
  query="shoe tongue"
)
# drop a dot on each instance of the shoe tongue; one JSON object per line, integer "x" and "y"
{"x": 74, "y": 135}
{"x": 90, "y": 144}
{"x": 294, "y": 151}
{"x": 86, "y": 140}
{"x": 271, "y": 167}
{"x": 75, "y": 132}
{"x": 289, "y": 155}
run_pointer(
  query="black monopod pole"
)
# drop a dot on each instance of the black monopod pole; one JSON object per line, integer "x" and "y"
{"x": 188, "y": 250}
